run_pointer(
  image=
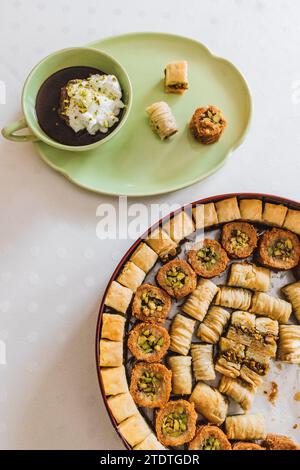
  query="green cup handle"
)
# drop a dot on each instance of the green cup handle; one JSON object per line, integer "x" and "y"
{"x": 9, "y": 132}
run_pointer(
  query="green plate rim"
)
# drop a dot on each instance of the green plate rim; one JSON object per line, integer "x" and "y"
{"x": 176, "y": 187}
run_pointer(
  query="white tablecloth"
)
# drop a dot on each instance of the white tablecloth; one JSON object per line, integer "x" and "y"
{"x": 53, "y": 268}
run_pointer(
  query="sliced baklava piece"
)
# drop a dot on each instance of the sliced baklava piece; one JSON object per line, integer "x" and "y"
{"x": 205, "y": 215}
{"x": 131, "y": 276}
{"x": 238, "y": 390}
{"x": 230, "y": 358}
{"x": 279, "y": 249}
{"x": 149, "y": 443}
{"x": 151, "y": 304}
{"x": 278, "y": 442}
{"x": 144, "y": 257}
{"x": 207, "y": 124}
{"x": 150, "y": 384}
{"x": 257, "y": 360}
{"x": 207, "y": 258}
{"x": 292, "y": 221}
{"x": 122, "y": 406}
{"x": 251, "y": 377}
{"x": 162, "y": 244}
{"x": 112, "y": 327}
{"x": 242, "y": 327}
{"x": 180, "y": 226}
{"x": 274, "y": 214}
{"x": 111, "y": 353}
{"x": 272, "y": 307}
{"x": 247, "y": 446}
{"x": 203, "y": 364}
{"x": 213, "y": 325}
{"x": 182, "y": 329}
{"x": 209, "y": 438}
{"x": 292, "y": 293}
{"x": 289, "y": 343}
{"x": 251, "y": 209}
{"x": 176, "y": 423}
{"x": 199, "y": 301}
{"x": 176, "y": 77}
{"x": 239, "y": 239}
{"x": 148, "y": 342}
{"x": 228, "y": 210}
{"x": 114, "y": 380}
{"x": 181, "y": 367}
{"x": 162, "y": 120}
{"x": 177, "y": 278}
{"x": 134, "y": 429}
{"x": 246, "y": 427}
{"x": 267, "y": 329}
{"x": 249, "y": 276}
{"x": 210, "y": 403}
{"x": 118, "y": 297}
{"x": 234, "y": 297}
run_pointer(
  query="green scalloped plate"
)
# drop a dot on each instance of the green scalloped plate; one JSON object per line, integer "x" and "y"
{"x": 135, "y": 162}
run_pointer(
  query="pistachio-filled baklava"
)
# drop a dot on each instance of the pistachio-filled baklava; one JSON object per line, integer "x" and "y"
{"x": 207, "y": 124}
{"x": 150, "y": 384}
{"x": 148, "y": 342}
{"x": 239, "y": 239}
{"x": 176, "y": 77}
{"x": 209, "y": 438}
{"x": 279, "y": 249}
{"x": 177, "y": 278}
{"x": 176, "y": 423}
{"x": 151, "y": 304}
{"x": 207, "y": 258}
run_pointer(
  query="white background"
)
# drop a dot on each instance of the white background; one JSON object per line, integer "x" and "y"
{"x": 53, "y": 268}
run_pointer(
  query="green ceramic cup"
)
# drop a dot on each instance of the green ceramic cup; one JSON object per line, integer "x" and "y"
{"x": 77, "y": 56}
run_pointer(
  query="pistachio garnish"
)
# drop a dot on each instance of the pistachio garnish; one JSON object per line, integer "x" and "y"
{"x": 211, "y": 443}
{"x": 239, "y": 239}
{"x": 282, "y": 249}
{"x": 149, "y": 343}
{"x": 207, "y": 255}
{"x": 175, "y": 423}
{"x": 176, "y": 278}
{"x": 149, "y": 383}
{"x": 151, "y": 303}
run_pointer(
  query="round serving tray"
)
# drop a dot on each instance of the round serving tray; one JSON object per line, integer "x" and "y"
{"x": 135, "y": 162}
{"x": 288, "y": 278}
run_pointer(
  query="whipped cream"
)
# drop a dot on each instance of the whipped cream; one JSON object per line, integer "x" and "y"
{"x": 93, "y": 103}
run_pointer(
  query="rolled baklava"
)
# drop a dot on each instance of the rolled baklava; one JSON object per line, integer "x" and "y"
{"x": 207, "y": 258}
{"x": 272, "y": 307}
{"x": 234, "y": 297}
{"x": 213, "y": 325}
{"x": 199, "y": 301}
{"x": 239, "y": 239}
{"x": 202, "y": 359}
{"x": 210, "y": 403}
{"x": 176, "y": 77}
{"x": 177, "y": 278}
{"x": 148, "y": 342}
{"x": 182, "y": 329}
{"x": 151, "y": 304}
{"x": 176, "y": 423}
{"x": 162, "y": 119}
{"x": 238, "y": 390}
{"x": 289, "y": 343}
{"x": 245, "y": 427}
{"x": 150, "y": 384}
{"x": 249, "y": 276}
{"x": 181, "y": 367}
{"x": 292, "y": 293}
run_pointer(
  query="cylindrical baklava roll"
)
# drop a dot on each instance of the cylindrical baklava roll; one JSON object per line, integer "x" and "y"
{"x": 289, "y": 343}
{"x": 181, "y": 367}
{"x": 200, "y": 299}
{"x": 213, "y": 325}
{"x": 272, "y": 307}
{"x": 203, "y": 365}
{"x": 249, "y": 276}
{"x": 234, "y": 297}
{"x": 245, "y": 427}
{"x": 210, "y": 403}
{"x": 237, "y": 390}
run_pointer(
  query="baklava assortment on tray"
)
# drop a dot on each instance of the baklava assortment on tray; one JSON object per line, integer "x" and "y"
{"x": 171, "y": 327}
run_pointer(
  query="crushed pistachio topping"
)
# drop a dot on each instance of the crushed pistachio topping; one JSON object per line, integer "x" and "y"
{"x": 233, "y": 356}
{"x": 176, "y": 278}
{"x": 149, "y": 343}
{"x": 175, "y": 423}
{"x": 207, "y": 255}
{"x": 149, "y": 383}
{"x": 239, "y": 239}
{"x": 211, "y": 443}
{"x": 282, "y": 249}
{"x": 211, "y": 116}
{"x": 261, "y": 369}
{"x": 151, "y": 303}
